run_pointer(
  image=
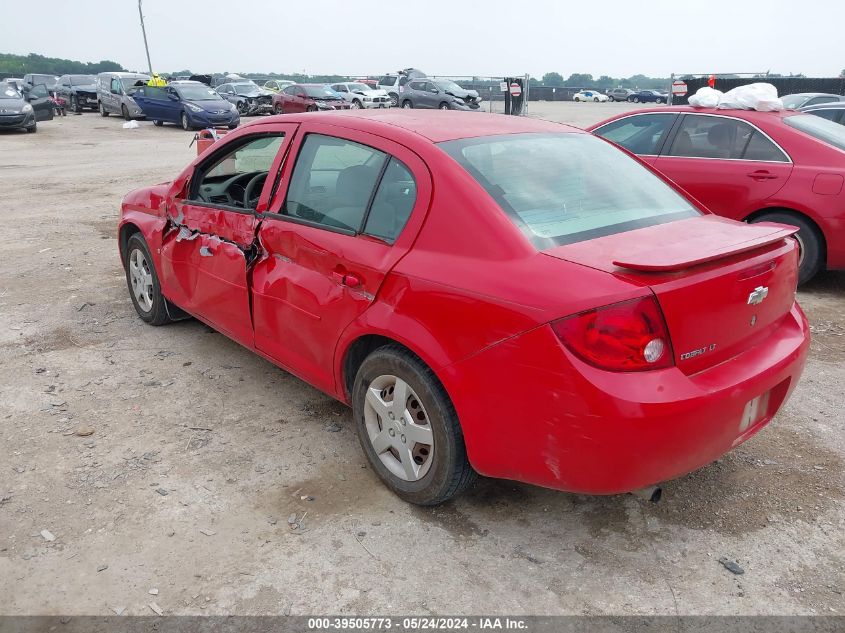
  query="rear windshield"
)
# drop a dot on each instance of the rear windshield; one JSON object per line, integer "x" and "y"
{"x": 387, "y": 80}
{"x": 565, "y": 188}
{"x": 817, "y": 127}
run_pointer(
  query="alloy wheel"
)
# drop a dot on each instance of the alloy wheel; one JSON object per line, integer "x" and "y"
{"x": 141, "y": 278}
{"x": 398, "y": 428}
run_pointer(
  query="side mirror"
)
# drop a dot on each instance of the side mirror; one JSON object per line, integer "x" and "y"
{"x": 172, "y": 96}
{"x": 434, "y": 91}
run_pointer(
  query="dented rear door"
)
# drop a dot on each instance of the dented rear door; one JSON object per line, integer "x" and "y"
{"x": 209, "y": 245}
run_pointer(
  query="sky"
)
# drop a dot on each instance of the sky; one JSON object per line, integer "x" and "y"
{"x": 619, "y": 38}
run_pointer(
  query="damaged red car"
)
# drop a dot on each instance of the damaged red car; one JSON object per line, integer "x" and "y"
{"x": 491, "y": 295}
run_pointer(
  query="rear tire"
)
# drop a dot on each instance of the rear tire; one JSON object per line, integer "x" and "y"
{"x": 810, "y": 242}
{"x": 407, "y": 104}
{"x": 142, "y": 280}
{"x": 157, "y": 123}
{"x": 311, "y": 109}
{"x": 444, "y": 106}
{"x": 278, "y": 109}
{"x": 611, "y": 99}
{"x": 440, "y": 470}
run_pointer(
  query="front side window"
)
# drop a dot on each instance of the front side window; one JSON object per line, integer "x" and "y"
{"x": 638, "y": 134}
{"x": 115, "y": 85}
{"x": 818, "y": 100}
{"x": 333, "y": 182}
{"x": 720, "y": 137}
{"x": 152, "y": 92}
{"x": 565, "y": 188}
{"x": 236, "y": 177}
{"x": 830, "y": 114}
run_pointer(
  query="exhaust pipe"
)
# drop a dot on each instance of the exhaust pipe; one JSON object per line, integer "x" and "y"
{"x": 650, "y": 493}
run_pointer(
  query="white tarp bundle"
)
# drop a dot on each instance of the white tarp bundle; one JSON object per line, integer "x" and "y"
{"x": 759, "y": 96}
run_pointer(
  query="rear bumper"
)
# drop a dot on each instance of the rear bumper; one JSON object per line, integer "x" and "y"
{"x": 532, "y": 412}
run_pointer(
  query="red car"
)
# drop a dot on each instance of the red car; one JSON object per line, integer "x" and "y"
{"x": 753, "y": 166}
{"x": 491, "y": 294}
{"x": 308, "y": 98}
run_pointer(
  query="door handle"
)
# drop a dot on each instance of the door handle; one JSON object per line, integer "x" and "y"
{"x": 762, "y": 174}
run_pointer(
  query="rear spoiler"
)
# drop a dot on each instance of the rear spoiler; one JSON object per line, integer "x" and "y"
{"x": 731, "y": 238}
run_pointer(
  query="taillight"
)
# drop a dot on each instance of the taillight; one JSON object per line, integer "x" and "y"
{"x": 627, "y": 336}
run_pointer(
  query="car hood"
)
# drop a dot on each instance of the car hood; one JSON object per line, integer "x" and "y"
{"x": 372, "y": 93}
{"x": 462, "y": 94}
{"x": 211, "y": 106}
{"x": 255, "y": 92}
{"x": 11, "y": 106}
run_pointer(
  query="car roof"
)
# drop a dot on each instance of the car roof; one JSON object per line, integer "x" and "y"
{"x": 436, "y": 126}
{"x": 812, "y": 94}
{"x": 830, "y": 105}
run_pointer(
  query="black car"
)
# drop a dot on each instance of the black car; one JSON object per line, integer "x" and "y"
{"x": 248, "y": 97}
{"x": 443, "y": 94}
{"x": 79, "y": 91}
{"x": 832, "y": 111}
{"x": 22, "y": 111}
{"x": 648, "y": 96}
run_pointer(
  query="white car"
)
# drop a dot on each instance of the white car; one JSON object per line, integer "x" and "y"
{"x": 589, "y": 95}
{"x": 363, "y": 96}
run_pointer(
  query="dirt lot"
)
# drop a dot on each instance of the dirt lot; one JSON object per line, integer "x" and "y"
{"x": 201, "y": 452}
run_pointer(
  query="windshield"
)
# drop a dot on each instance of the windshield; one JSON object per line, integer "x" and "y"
{"x": 361, "y": 87}
{"x": 388, "y": 80}
{"x": 819, "y": 128}
{"x": 131, "y": 82}
{"x": 247, "y": 87}
{"x": 790, "y": 102}
{"x": 320, "y": 92}
{"x": 197, "y": 93}
{"x": 448, "y": 85}
{"x": 8, "y": 92}
{"x": 82, "y": 80}
{"x": 47, "y": 80}
{"x": 556, "y": 190}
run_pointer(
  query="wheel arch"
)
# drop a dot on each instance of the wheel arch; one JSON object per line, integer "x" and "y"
{"x": 127, "y": 230}
{"x": 755, "y": 215}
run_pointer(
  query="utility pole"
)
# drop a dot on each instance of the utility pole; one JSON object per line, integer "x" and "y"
{"x": 144, "y": 31}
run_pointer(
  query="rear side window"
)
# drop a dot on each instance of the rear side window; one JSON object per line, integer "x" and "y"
{"x": 830, "y": 114}
{"x": 333, "y": 181}
{"x": 564, "y": 188}
{"x": 393, "y": 202}
{"x": 702, "y": 136}
{"x": 640, "y": 134}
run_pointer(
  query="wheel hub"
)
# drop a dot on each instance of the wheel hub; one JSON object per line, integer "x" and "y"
{"x": 398, "y": 428}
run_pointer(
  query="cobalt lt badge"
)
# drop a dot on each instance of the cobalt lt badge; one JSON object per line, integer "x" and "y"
{"x": 757, "y": 295}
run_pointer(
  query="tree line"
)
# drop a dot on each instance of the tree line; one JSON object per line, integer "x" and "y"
{"x": 22, "y": 64}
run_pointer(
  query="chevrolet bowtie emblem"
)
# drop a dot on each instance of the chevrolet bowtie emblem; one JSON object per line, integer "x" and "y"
{"x": 757, "y": 295}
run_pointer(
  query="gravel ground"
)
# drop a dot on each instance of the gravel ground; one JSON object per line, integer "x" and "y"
{"x": 202, "y": 453}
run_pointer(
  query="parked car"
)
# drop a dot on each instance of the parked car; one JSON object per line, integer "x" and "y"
{"x": 33, "y": 79}
{"x": 651, "y": 336}
{"x": 801, "y": 99}
{"x": 649, "y": 96}
{"x": 442, "y": 94}
{"x": 115, "y": 90}
{"x": 589, "y": 95}
{"x": 361, "y": 95}
{"x": 753, "y": 166}
{"x": 308, "y": 98}
{"x": 248, "y": 97}
{"x": 190, "y": 104}
{"x": 22, "y": 110}
{"x": 394, "y": 84}
{"x": 619, "y": 94}
{"x": 80, "y": 91}
{"x": 275, "y": 85}
{"x": 834, "y": 111}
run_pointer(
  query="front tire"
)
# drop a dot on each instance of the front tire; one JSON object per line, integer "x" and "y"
{"x": 103, "y": 112}
{"x": 185, "y": 125}
{"x": 142, "y": 280}
{"x": 407, "y": 104}
{"x": 810, "y": 242}
{"x": 394, "y": 99}
{"x": 33, "y": 128}
{"x": 356, "y": 104}
{"x": 409, "y": 429}
{"x": 444, "y": 106}
{"x": 125, "y": 112}
{"x": 611, "y": 99}
{"x": 74, "y": 105}
{"x": 278, "y": 109}
{"x": 636, "y": 99}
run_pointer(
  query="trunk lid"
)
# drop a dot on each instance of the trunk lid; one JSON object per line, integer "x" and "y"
{"x": 722, "y": 285}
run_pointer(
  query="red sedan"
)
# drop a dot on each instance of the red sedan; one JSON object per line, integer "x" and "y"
{"x": 754, "y": 166}
{"x": 491, "y": 294}
{"x": 308, "y": 98}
